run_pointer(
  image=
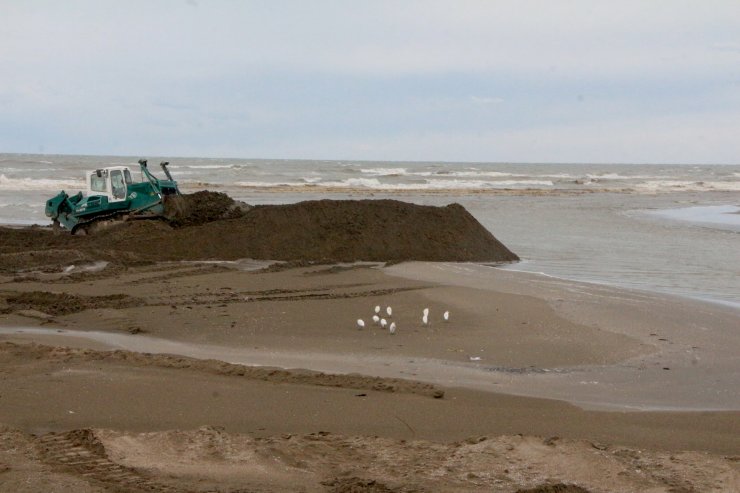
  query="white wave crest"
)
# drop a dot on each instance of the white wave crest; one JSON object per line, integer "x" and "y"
{"x": 471, "y": 174}
{"x": 617, "y": 176}
{"x": 689, "y": 186}
{"x": 375, "y": 184}
{"x": 385, "y": 171}
{"x": 42, "y": 184}
{"x": 26, "y": 169}
{"x": 208, "y": 166}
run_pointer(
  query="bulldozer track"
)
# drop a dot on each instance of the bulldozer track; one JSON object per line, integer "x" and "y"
{"x": 112, "y": 215}
{"x": 90, "y": 462}
{"x": 103, "y": 217}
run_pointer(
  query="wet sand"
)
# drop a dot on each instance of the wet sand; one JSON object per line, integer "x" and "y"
{"x": 557, "y": 359}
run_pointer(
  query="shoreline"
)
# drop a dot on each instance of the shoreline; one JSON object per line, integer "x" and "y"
{"x": 660, "y": 216}
{"x": 702, "y": 298}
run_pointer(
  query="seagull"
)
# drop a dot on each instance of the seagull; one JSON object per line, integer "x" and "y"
{"x": 392, "y": 328}
{"x": 383, "y": 322}
{"x": 360, "y": 323}
{"x": 446, "y": 316}
{"x": 377, "y": 308}
{"x": 425, "y": 319}
{"x": 426, "y": 312}
{"x": 376, "y": 319}
{"x": 389, "y": 311}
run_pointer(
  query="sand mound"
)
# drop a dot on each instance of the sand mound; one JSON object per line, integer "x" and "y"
{"x": 202, "y": 207}
{"x": 337, "y": 230}
{"x": 209, "y": 225}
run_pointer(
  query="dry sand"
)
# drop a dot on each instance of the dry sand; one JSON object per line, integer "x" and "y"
{"x": 277, "y": 430}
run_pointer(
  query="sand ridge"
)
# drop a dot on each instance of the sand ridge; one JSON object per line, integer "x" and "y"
{"x": 275, "y": 375}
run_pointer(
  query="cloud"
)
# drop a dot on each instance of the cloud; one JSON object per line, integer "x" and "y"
{"x": 380, "y": 38}
{"x": 378, "y": 79}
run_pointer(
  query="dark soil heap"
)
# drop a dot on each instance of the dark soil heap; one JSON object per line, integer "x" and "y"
{"x": 336, "y": 230}
{"x": 209, "y": 225}
{"x": 202, "y": 207}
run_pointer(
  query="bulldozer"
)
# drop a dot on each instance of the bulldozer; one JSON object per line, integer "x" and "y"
{"x": 112, "y": 195}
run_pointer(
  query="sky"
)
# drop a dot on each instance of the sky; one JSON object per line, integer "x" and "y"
{"x": 482, "y": 81}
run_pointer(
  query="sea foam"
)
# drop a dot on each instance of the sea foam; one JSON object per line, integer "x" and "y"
{"x": 39, "y": 184}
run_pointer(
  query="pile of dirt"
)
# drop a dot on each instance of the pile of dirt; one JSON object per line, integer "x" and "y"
{"x": 202, "y": 207}
{"x": 208, "y": 225}
{"x": 336, "y": 230}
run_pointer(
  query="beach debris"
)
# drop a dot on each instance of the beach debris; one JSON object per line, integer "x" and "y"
{"x": 446, "y": 316}
{"x": 426, "y": 312}
{"x": 377, "y": 308}
{"x": 425, "y": 319}
{"x": 376, "y": 319}
{"x": 392, "y": 328}
{"x": 475, "y": 358}
{"x": 360, "y": 323}
{"x": 389, "y": 311}
{"x": 383, "y": 323}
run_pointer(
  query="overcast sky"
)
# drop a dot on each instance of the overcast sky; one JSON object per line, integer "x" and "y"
{"x": 495, "y": 81}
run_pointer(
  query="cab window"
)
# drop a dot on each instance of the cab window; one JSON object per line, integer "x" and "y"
{"x": 97, "y": 183}
{"x": 117, "y": 184}
{"x": 127, "y": 176}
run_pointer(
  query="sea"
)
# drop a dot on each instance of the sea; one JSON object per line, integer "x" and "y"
{"x": 664, "y": 228}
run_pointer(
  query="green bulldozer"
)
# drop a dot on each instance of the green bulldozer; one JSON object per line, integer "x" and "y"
{"x": 112, "y": 195}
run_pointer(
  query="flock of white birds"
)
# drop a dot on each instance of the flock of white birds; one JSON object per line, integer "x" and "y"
{"x": 379, "y": 319}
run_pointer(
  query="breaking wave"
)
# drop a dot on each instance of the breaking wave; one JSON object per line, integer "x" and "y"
{"x": 39, "y": 184}
{"x": 689, "y": 186}
{"x": 376, "y": 184}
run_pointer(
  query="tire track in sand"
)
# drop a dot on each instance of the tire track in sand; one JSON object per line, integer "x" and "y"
{"x": 81, "y": 453}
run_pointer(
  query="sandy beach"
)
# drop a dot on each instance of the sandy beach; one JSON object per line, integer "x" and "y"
{"x": 198, "y": 376}
{"x": 370, "y": 247}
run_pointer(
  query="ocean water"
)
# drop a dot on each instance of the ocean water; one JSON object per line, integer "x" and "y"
{"x": 665, "y": 228}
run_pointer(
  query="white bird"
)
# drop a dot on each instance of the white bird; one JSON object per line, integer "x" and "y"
{"x": 446, "y": 316}
{"x": 426, "y": 312}
{"x": 360, "y": 323}
{"x": 392, "y": 328}
{"x": 383, "y": 322}
{"x": 389, "y": 311}
{"x": 377, "y": 308}
{"x": 376, "y": 319}
{"x": 425, "y": 319}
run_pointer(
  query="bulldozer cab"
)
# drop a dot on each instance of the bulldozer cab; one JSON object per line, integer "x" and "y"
{"x": 111, "y": 182}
